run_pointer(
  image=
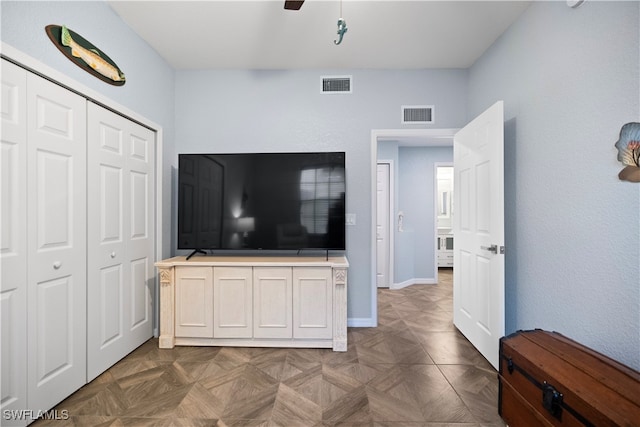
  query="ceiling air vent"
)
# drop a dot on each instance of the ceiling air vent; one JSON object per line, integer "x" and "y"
{"x": 417, "y": 114}
{"x": 336, "y": 84}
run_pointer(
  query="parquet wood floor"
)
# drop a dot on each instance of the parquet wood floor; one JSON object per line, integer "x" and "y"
{"x": 414, "y": 369}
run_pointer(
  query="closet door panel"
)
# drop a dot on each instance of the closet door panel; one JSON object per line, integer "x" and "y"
{"x": 13, "y": 238}
{"x": 141, "y": 165}
{"x": 106, "y": 248}
{"x": 120, "y": 237}
{"x": 56, "y": 196}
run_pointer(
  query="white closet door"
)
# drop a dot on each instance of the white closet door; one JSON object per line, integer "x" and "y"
{"x": 13, "y": 239}
{"x": 56, "y": 196}
{"x": 120, "y": 237}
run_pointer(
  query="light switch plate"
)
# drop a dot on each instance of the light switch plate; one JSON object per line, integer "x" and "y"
{"x": 350, "y": 219}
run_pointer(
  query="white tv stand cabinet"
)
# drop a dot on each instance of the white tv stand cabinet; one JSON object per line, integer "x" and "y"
{"x": 254, "y": 301}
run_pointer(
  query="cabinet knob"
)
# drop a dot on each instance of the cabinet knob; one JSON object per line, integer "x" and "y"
{"x": 57, "y": 265}
{"x": 113, "y": 254}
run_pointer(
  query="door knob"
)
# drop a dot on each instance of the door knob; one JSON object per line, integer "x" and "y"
{"x": 493, "y": 248}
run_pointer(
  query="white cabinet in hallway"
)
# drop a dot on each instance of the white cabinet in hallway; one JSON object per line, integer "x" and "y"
{"x": 445, "y": 250}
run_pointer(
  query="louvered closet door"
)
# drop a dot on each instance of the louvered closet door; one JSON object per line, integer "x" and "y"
{"x": 121, "y": 278}
{"x": 56, "y": 223}
{"x": 13, "y": 238}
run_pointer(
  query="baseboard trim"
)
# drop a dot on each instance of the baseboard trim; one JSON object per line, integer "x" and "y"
{"x": 417, "y": 281}
{"x": 361, "y": 322}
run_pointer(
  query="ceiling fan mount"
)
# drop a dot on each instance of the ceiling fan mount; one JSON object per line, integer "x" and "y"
{"x": 293, "y": 4}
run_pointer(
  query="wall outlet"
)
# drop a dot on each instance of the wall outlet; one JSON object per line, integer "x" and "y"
{"x": 350, "y": 219}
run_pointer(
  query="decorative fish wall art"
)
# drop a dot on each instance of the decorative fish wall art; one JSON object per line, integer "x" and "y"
{"x": 629, "y": 152}
{"x": 85, "y": 55}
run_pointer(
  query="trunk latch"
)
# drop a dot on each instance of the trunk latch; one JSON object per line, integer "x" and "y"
{"x": 552, "y": 400}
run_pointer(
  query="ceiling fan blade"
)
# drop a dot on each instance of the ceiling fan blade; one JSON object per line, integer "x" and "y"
{"x": 293, "y": 4}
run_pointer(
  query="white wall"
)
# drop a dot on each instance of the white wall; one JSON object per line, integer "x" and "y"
{"x": 416, "y": 176}
{"x": 241, "y": 110}
{"x": 149, "y": 87}
{"x": 570, "y": 80}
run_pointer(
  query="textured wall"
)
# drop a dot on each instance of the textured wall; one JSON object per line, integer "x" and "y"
{"x": 243, "y": 110}
{"x": 416, "y": 176}
{"x": 416, "y": 167}
{"x": 149, "y": 87}
{"x": 570, "y": 79}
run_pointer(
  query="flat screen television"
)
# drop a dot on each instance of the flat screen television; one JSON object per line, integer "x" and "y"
{"x": 261, "y": 201}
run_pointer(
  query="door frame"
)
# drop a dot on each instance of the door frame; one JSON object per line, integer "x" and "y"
{"x": 35, "y": 66}
{"x": 390, "y": 225}
{"x": 405, "y": 137}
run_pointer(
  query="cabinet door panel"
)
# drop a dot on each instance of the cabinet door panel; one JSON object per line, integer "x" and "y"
{"x": 56, "y": 240}
{"x": 312, "y": 303}
{"x": 272, "y": 302}
{"x": 233, "y": 302}
{"x": 194, "y": 302}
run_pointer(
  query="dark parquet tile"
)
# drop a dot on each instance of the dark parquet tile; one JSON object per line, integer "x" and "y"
{"x": 413, "y": 370}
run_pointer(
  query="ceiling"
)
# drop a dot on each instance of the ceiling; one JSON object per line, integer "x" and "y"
{"x": 391, "y": 34}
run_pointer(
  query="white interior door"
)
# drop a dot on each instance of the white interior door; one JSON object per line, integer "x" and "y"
{"x": 383, "y": 250}
{"x": 120, "y": 237}
{"x": 13, "y": 242}
{"x": 56, "y": 242}
{"x": 478, "y": 282}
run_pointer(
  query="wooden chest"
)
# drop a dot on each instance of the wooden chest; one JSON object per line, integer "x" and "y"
{"x": 547, "y": 379}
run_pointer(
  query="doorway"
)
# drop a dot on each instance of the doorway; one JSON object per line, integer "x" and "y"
{"x": 403, "y": 138}
{"x": 487, "y": 210}
{"x": 444, "y": 214}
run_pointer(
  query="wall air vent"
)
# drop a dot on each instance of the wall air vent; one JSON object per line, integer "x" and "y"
{"x": 417, "y": 114}
{"x": 336, "y": 84}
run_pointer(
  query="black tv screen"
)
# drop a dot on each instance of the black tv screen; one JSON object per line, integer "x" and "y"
{"x": 270, "y": 201}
